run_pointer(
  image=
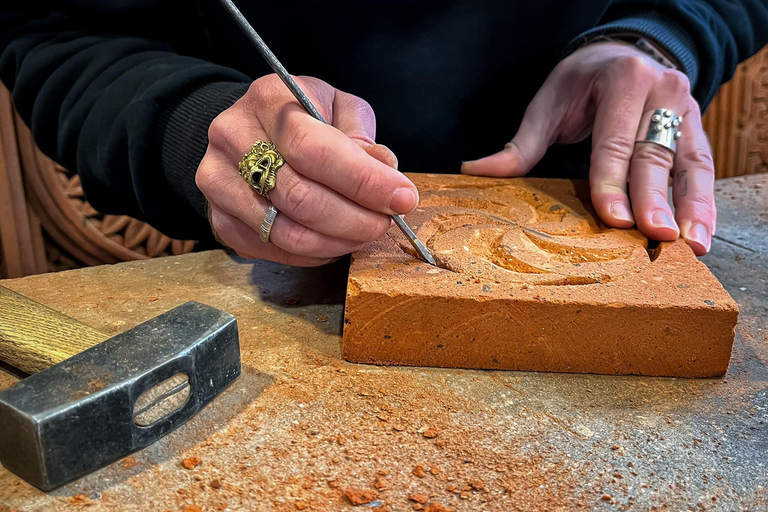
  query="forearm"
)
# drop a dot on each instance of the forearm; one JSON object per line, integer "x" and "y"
{"x": 128, "y": 114}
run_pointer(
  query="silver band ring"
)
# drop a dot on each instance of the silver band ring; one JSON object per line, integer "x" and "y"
{"x": 266, "y": 226}
{"x": 660, "y": 127}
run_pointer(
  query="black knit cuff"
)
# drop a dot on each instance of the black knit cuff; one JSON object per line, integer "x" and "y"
{"x": 656, "y": 27}
{"x": 182, "y": 130}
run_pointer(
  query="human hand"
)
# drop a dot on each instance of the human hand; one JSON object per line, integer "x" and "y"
{"x": 604, "y": 89}
{"x": 335, "y": 191}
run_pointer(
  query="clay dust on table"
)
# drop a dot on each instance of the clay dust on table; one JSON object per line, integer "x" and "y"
{"x": 503, "y": 441}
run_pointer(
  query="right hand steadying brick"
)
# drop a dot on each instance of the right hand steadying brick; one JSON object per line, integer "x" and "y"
{"x": 334, "y": 192}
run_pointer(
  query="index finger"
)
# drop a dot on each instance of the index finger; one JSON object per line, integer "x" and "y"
{"x": 325, "y": 154}
{"x": 617, "y": 117}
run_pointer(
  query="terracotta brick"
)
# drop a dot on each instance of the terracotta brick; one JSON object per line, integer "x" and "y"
{"x": 531, "y": 280}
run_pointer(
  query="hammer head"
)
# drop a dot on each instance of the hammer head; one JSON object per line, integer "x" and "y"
{"x": 118, "y": 396}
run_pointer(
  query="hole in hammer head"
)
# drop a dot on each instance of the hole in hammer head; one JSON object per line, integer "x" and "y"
{"x": 161, "y": 400}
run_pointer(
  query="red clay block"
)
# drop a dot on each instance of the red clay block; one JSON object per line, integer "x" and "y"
{"x": 529, "y": 279}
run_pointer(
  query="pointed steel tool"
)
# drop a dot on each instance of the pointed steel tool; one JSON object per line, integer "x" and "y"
{"x": 288, "y": 80}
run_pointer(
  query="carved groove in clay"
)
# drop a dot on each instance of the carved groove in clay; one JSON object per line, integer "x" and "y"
{"x": 527, "y": 237}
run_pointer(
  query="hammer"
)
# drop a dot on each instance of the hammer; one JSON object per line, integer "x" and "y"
{"x": 98, "y": 398}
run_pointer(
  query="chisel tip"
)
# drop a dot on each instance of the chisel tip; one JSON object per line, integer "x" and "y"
{"x": 415, "y": 242}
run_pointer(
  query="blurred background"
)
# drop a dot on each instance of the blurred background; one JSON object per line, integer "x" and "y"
{"x": 46, "y": 224}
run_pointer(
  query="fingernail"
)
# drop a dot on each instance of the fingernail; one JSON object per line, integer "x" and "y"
{"x": 403, "y": 200}
{"x": 698, "y": 233}
{"x": 619, "y": 211}
{"x": 661, "y": 219}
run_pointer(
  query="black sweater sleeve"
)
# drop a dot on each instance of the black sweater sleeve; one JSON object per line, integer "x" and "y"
{"x": 708, "y": 37}
{"x": 127, "y": 112}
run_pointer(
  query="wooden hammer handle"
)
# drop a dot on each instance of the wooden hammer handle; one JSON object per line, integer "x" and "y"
{"x": 34, "y": 337}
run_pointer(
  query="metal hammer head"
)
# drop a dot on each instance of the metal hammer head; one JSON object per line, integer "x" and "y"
{"x": 118, "y": 396}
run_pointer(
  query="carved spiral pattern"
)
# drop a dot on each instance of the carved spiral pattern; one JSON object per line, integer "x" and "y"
{"x": 528, "y": 236}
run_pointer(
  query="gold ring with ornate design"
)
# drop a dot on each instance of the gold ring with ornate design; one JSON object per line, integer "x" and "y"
{"x": 259, "y": 167}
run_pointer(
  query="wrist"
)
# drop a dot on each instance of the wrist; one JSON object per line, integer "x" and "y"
{"x": 643, "y": 44}
{"x": 669, "y": 39}
{"x": 182, "y": 135}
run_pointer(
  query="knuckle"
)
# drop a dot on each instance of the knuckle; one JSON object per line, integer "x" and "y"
{"x": 313, "y": 82}
{"x": 652, "y": 154}
{"x": 694, "y": 108}
{"x": 297, "y": 144}
{"x": 676, "y": 82}
{"x": 220, "y": 227}
{"x": 297, "y": 239}
{"x": 700, "y": 156}
{"x": 260, "y": 90}
{"x": 324, "y": 159}
{"x": 301, "y": 204}
{"x": 634, "y": 67}
{"x": 619, "y": 146}
{"x": 264, "y": 93}
{"x": 217, "y": 131}
{"x": 361, "y": 108}
{"x": 652, "y": 196}
{"x": 203, "y": 178}
{"x": 606, "y": 192}
{"x": 701, "y": 203}
{"x": 363, "y": 182}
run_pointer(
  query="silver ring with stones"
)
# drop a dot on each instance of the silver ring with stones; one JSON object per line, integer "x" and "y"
{"x": 266, "y": 226}
{"x": 660, "y": 127}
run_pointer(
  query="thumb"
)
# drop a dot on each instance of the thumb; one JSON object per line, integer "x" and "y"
{"x": 346, "y": 112}
{"x": 355, "y": 117}
{"x": 531, "y": 141}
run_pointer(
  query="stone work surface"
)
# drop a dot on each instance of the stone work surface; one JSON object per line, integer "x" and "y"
{"x": 529, "y": 279}
{"x": 301, "y": 428}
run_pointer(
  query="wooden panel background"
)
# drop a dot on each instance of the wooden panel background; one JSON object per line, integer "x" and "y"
{"x": 737, "y": 120}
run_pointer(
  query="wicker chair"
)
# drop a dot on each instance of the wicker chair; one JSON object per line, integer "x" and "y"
{"x": 45, "y": 222}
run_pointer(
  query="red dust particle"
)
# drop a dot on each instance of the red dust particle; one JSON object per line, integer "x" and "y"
{"x": 79, "y": 499}
{"x": 437, "y": 507}
{"x": 360, "y": 496}
{"x": 430, "y": 433}
{"x": 380, "y": 483}
{"x": 191, "y": 462}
